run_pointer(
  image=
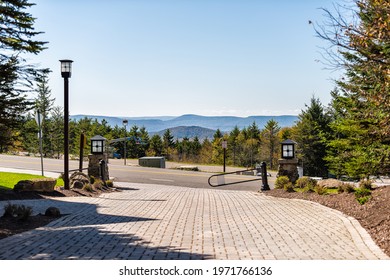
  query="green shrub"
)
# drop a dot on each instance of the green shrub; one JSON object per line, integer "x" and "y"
{"x": 20, "y": 212}
{"x": 363, "y": 200}
{"x": 345, "y": 187}
{"x": 362, "y": 194}
{"x": 289, "y": 187}
{"x": 110, "y": 183}
{"x": 321, "y": 190}
{"x": 306, "y": 183}
{"x": 303, "y": 182}
{"x": 281, "y": 182}
{"x": 365, "y": 184}
{"x": 10, "y": 210}
{"x": 24, "y": 212}
{"x": 88, "y": 187}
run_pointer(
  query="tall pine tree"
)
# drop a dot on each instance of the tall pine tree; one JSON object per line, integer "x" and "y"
{"x": 361, "y": 142}
{"x": 16, "y": 77}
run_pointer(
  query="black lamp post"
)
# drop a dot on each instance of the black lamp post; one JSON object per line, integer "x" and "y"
{"x": 66, "y": 72}
{"x": 125, "y": 122}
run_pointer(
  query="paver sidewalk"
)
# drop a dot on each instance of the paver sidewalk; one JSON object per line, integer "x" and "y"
{"x": 166, "y": 222}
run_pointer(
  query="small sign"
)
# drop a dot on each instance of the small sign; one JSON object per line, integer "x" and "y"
{"x": 224, "y": 144}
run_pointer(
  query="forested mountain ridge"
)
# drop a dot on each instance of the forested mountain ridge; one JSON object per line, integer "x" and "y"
{"x": 224, "y": 123}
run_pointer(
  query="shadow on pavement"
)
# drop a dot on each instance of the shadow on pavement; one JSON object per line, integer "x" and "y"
{"x": 85, "y": 234}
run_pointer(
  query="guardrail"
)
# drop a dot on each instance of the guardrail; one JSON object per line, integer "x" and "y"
{"x": 222, "y": 182}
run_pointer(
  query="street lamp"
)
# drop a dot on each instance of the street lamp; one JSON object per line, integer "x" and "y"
{"x": 66, "y": 72}
{"x": 125, "y": 122}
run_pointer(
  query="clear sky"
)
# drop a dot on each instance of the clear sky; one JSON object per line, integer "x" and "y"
{"x": 172, "y": 57}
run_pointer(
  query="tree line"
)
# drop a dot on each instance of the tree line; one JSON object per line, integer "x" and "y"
{"x": 350, "y": 136}
{"x": 246, "y": 146}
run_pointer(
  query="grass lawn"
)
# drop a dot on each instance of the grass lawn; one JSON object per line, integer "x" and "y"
{"x": 8, "y": 180}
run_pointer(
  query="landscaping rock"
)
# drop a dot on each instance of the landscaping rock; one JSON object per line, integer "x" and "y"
{"x": 78, "y": 180}
{"x": 38, "y": 185}
{"x": 52, "y": 212}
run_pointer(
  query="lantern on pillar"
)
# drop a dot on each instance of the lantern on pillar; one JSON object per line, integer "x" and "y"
{"x": 97, "y": 144}
{"x": 288, "y": 149}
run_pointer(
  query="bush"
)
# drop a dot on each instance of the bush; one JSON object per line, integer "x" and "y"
{"x": 306, "y": 183}
{"x": 362, "y": 194}
{"x": 281, "y": 182}
{"x": 88, "y": 187}
{"x": 346, "y": 187}
{"x": 21, "y": 212}
{"x": 320, "y": 189}
{"x": 289, "y": 187}
{"x": 365, "y": 184}
{"x": 110, "y": 183}
{"x": 363, "y": 200}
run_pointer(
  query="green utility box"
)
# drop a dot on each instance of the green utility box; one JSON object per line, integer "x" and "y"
{"x": 158, "y": 162}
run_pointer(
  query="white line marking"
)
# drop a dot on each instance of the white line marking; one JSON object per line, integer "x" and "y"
{"x": 164, "y": 180}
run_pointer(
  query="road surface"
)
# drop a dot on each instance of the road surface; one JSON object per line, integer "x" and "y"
{"x": 136, "y": 174}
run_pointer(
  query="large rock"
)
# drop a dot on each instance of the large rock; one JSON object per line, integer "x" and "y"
{"x": 38, "y": 185}
{"x": 53, "y": 212}
{"x": 78, "y": 179}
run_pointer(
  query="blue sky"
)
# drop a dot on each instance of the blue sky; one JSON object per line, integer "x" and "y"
{"x": 172, "y": 57}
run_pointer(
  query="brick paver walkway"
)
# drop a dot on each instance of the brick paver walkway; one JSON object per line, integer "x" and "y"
{"x": 166, "y": 222}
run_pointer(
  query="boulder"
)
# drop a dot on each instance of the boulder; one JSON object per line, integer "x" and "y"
{"x": 53, "y": 212}
{"x": 38, "y": 185}
{"x": 78, "y": 179}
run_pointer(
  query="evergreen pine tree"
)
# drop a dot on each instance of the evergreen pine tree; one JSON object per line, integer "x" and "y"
{"x": 16, "y": 77}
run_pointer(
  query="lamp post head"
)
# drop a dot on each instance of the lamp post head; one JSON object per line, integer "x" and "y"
{"x": 66, "y": 68}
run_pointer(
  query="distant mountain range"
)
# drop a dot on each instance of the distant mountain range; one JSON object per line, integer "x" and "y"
{"x": 180, "y": 132}
{"x": 192, "y": 122}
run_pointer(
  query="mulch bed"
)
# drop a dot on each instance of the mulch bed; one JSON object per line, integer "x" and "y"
{"x": 374, "y": 215}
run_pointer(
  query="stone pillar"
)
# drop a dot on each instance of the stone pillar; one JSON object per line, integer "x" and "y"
{"x": 94, "y": 166}
{"x": 289, "y": 168}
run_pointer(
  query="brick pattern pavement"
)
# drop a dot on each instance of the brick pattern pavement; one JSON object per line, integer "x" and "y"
{"x": 166, "y": 222}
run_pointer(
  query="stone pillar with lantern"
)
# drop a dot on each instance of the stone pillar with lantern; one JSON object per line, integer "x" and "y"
{"x": 288, "y": 164}
{"x": 98, "y": 159}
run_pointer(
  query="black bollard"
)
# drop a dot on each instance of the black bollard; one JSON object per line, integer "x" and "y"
{"x": 102, "y": 164}
{"x": 264, "y": 179}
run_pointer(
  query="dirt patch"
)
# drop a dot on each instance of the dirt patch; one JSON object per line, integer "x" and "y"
{"x": 374, "y": 215}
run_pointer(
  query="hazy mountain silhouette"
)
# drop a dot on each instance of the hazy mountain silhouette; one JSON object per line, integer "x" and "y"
{"x": 224, "y": 123}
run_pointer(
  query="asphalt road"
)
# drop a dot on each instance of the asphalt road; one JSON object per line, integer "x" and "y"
{"x": 136, "y": 174}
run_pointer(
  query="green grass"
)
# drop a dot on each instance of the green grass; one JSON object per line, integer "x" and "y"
{"x": 8, "y": 180}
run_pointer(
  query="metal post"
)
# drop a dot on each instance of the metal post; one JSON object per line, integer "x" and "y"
{"x": 102, "y": 164}
{"x": 124, "y": 142}
{"x": 264, "y": 178}
{"x": 224, "y": 160}
{"x": 82, "y": 142}
{"x": 40, "y": 139}
{"x": 125, "y": 122}
{"x": 66, "y": 133}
